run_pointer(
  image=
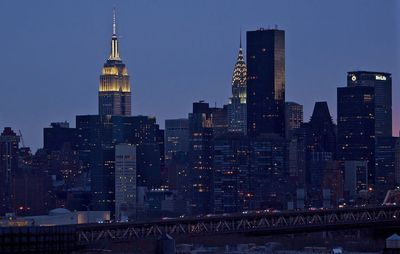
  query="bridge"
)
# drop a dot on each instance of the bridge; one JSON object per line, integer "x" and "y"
{"x": 250, "y": 223}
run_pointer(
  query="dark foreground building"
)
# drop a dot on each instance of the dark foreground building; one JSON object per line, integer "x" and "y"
{"x": 266, "y": 82}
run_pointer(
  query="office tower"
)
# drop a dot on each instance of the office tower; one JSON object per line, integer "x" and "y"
{"x": 9, "y": 142}
{"x": 176, "y": 153}
{"x": 382, "y": 84}
{"x": 97, "y": 152}
{"x": 325, "y": 187}
{"x": 161, "y": 150}
{"x": 237, "y": 110}
{"x": 200, "y": 158}
{"x": 33, "y": 191}
{"x": 219, "y": 120}
{"x": 61, "y": 148}
{"x": 231, "y": 173}
{"x": 145, "y": 133}
{"x": 65, "y": 165}
{"x": 356, "y": 178}
{"x": 178, "y": 174}
{"x": 98, "y": 136}
{"x": 265, "y": 82}
{"x": 385, "y": 159}
{"x": 114, "y": 89}
{"x": 356, "y": 126}
{"x": 176, "y": 137}
{"x": 320, "y": 140}
{"x": 148, "y": 166}
{"x": 58, "y": 135}
{"x": 297, "y": 163}
{"x": 293, "y": 117}
{"x": 397, "y": 161}
{"x": 321, "y": 135}
{"x": 125, "y": 182}
{"x": 138, "y": 129}
{"x": 268, "y": 176}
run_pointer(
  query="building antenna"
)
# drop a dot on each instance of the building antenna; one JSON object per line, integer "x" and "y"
{"x": 240, "y": 37}
{"x": 114, "y": 21}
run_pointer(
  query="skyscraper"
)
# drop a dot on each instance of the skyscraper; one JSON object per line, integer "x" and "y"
{"x": 356, "y": 178}
{"x": 385, "y": 157}
{"x": 231, "y": 173}
{"x": 321, "y": 136}
{"x": 8, "y": 166}
{"x": 176, "y": 137}
{"x": 237, "y": 110}
{"x": 266, "y": 82}
{"x": 98, "y": 137}
{"x": 293, "y": 117}
{"x": 267, "y": 175}
{"x": 356, "y": 125}
{"x": 58, "y": 135}
{"x": 114, "y": 89}
{"x": 125, "y": 181}
{"x": 200, "y": 157}
{"x": 382, "y": 84}
{"x": 381, "y": 162}
{"x": 219, "y": 120}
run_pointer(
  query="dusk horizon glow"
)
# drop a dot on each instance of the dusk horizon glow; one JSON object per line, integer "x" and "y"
{"x": 178, "y": 53}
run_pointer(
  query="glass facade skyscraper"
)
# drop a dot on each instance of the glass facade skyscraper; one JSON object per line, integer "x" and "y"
{"x": 365, "y": 120}
{"x": 382, "y": 84}
{"x": 356, "y": 125}
{"x": 8, "y": 166}
{"x": 265, "y": 82}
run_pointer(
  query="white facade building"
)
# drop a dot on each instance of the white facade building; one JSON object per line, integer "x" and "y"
{"x": 125, "y": 182}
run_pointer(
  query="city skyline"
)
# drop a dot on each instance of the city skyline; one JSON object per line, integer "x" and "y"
{"x": 150, "y": 96}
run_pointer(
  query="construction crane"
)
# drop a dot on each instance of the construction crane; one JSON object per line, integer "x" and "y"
{"x": 21, "y": 138}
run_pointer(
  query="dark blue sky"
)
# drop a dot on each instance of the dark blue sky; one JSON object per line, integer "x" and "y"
{"x": 178, "y": 52}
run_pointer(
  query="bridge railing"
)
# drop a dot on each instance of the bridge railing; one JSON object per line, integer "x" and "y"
{"x": 279, "y": 222}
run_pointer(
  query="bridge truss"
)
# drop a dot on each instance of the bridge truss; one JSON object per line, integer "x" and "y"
{"x": 263, "y": 223}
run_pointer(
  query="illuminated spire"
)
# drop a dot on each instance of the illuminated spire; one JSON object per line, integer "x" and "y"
{"x": 240, "y": 70}
{"x": 114, "y": 22}
{"x": 239, "y": 77}
{"x": 114, "y": 55}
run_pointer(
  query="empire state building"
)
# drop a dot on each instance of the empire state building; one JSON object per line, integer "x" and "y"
{"x": 114, "y": 88}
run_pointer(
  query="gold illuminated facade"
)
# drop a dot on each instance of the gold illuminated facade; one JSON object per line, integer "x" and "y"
{"x": 237, "y": 110}
{"x": 114, "y": 89}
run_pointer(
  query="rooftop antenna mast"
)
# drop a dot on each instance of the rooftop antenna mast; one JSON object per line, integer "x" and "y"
{"x": 114, "y": 22}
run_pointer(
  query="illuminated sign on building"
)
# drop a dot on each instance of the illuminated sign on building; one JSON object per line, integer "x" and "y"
{"x": 380, "y": 77}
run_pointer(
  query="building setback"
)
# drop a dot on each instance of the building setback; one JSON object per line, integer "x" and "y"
{"x": 114, "y": 88}
{"x": 237, "y": 109}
